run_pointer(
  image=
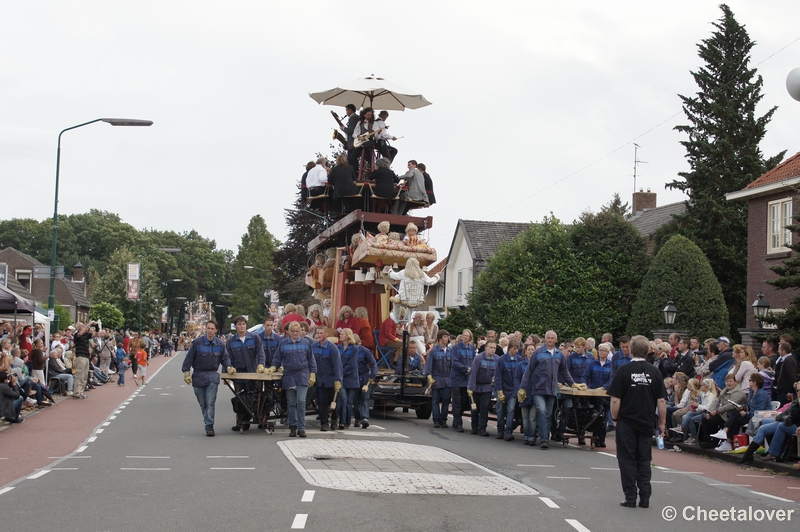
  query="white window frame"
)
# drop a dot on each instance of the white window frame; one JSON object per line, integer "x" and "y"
{"x": 778, "y": 237}
{"x": 460, "y": 284}
{"x": 29, "y": 273}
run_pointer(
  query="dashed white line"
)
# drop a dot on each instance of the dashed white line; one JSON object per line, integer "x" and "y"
{"x": 6, "y": 490}
{"x": 299, "y": 521}
{"x": 117, "y": 412}
{"x": 534, "y": 465}
{"x": 144, "y": 469}
{"x": 222, "y": 456}
{"x": 232, "y": 468}
{"x": 792, "y": 488}
{"x": 660, "y": 482}
{"x": 770, "y": 496}
{"x": 549, "y": 502}
{"x": 684, "y": 472}
{"x": 63, "y": 469}
{"x": 41, "y": 473}
{"x": 308, "y": 496}
{"x": 99, "y": 431}
{"x": 570, "y": 478}
{"x": 7, "y": 458}
{"x": 577, "y": 526}
{"x": 726, "y": 484}
{"x": 662, "y": 468}
{"x": 608, "y": 454}
{"x": 753, "y": 476}
{"x": 377, "y": 427}
{"x": 113, "y": 417}
{"x": 92, "y": 439}
{"x": 148, "y": 457}
{"x": 107, "y": 423}
{"x": 81, "y": 449}
{"x": 606, "y": 468}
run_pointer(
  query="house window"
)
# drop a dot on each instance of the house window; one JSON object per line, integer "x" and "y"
{"x": 24, "y": 278}
{"x": 779, "y": 213}
{"x": 460, "y": 280}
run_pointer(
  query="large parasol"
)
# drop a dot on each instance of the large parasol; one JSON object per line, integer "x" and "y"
{"x": 373, "y": 92}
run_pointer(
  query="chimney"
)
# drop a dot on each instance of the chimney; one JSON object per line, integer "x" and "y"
{"x": 77, "y": 273}
{"x": 642, "y": 201}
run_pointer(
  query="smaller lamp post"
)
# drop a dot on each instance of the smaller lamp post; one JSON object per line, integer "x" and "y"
{"x": 760, "y": 309}
{"x": 670, "y": 313}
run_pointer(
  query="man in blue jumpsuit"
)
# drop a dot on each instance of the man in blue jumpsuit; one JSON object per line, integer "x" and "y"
{"x": 367, "y": 372}
{"x": 329, "y": 371}
{"x": 247, "y": 356}
{"x": 462, "y": 355}
{"x": 598, "y": 375}
{"x": 506, "y": 391}
{"x": 270, "y": 340}
{"x": 299, "y": 372}
{"x": 437, "y": 369}
{"x": 577, "y": 361}
{"x": 205, "y": 356}
{"x": 479, "y": 387}
{"x": 546, "y": 368}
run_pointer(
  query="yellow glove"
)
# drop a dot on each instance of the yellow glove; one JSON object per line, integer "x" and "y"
{"x": 583, "y": 386}
{"x": 260, "y": 368}
{"x": 501, "y": 396}
{"x": 431, "y": 380}
{"x": 312, "y": 379}
{"x": 270, "y": 370}
{"x": 187, "y": 377}
{"x": 469, "y": 392}
{"x": 521, "y": 395}
{"x": 231, "y": 370}
{"x": 365, "y": 388}
{"x": 575, "y": 386}
{"x": 337, "y": 386}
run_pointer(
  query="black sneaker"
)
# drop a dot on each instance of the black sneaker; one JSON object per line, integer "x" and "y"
{"x": 474, "y": 431}
{"x": 509, "y": 438}
{"x": 459, "y": 428}
{"x": 581, "y": 441}
{"x": 364, "y": 423}
{"x": 235, "y": 428}
{"x": 544, "y": 445}
{"x": 444, "y": 425}
{"x": 301, "y": 433}
{"x": 644, "y": 503}
{"x": 292, "y": 432}
{"x": 210, "y": 432}
{"x": 628, "y": 504}
{"x": 483, "y": 433}
{"x": 323, "y": 428}
{"x": 437, "y": 426}
{"x": 499, "y": 436}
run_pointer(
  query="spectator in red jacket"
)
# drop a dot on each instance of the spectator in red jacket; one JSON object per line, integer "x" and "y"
{"x": 347, "y": 320}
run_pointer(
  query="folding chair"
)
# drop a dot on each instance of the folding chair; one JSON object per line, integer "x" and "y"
{"x": 385, "y": 353}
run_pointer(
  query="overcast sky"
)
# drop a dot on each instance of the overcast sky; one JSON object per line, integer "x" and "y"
{"x": 535, "y": 105}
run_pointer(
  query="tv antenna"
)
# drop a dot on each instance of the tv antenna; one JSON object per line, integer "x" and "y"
{"x": 636, "y": 163}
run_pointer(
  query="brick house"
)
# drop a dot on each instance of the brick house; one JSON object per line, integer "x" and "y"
{"x": 771, "y": 206}
{"x": 70, "y": 294}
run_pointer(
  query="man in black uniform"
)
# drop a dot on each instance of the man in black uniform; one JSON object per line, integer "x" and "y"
{"x": 636, "y": 391}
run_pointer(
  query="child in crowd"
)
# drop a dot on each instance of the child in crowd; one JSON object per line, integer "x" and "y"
{"x": 120, "y": 353}
{"x": 670, "y": 391}
{"x": 141, "y": 360}
{"x": 122, "y": 367}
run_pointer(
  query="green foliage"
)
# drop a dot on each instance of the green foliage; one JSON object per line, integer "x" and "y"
{"x": 614, "y": 246}
{"x": 539, "y": 282}
{"x": 789, "y": 279}
{"x": 457, "y": 320}
{"x": 108, "y": 314}
{"x": 64, "y": 318}
{"x": 723, "y": 154}
{"x": 257, "y": 250}
{"x": 682, "y": 273}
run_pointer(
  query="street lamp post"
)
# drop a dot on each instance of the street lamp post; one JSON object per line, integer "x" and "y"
{"x": 670, "y": 313}
{"x": 51, "y": 299}
{"x": 141, "y": 275}
{"x": 760, "y": 309}
{"x": 169, "y": 311}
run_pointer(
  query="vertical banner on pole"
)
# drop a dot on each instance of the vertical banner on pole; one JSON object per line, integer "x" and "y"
{"x": 133, "y": 280}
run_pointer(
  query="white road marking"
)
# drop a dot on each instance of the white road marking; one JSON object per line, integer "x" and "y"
{"x": 55, "y": 457}
{"x": 299, "y": 521}
{"x": 81, "y": 449}
{"x": 7, "y": 458}
{"x": 660, "y": 467}
{"x": 221, "y": 456}
{"x": 577, "y": 526}
{"x": 570, "y": 478}
{"x": 63, "y": 469}
{"x": 122, "y": 407}
{"x": 371, "y": 434}
{"x": 92, "y": 439}
{"x": 608, "y": 454}
{"x": 117, "y": 412}
{"x": 99, "y": 431}
{"x": 684, "y": 472}
{"x": 726, "y": 484}
{"x": 144, "y": 469}
{"x": 308, "y": 496}
{"x": 660, "y": 482}
{"x": 549, "y": 502}
{"x": 41, "y": 473}
{"x": 165, "y": 394}
{"x": 753, "y": 476}
{"x": 227, "y": 468}
{"x": 770, "y": 496}
{"x": 6, "y": 490}
{"x": 377, "y": 427}
{"x": 606, "y": 468}
{"x": 77, "y": 457}
{"x": 107, "y": 423}
{"x": 148, "y": 457}
{"x": 534, "y": 465}
{"x": 792, "y": 488}
{"x": 113, "y": 417}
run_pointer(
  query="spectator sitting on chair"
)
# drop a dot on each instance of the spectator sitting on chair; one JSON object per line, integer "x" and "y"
{"x": 785, "y": 424}
{"x": 759, "y": 400}
{"x": 57, "y": 370}
{"x": 726, "y": 405}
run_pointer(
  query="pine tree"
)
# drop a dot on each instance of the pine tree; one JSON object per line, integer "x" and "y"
{"x": 723, "y": 154}
{"x": 257, "y": 251}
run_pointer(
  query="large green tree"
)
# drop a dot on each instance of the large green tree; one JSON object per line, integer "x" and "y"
{"x": 680, "y": 272}
{"x": 612, "y": 244}
{"x": 538, "y": 282}
{"x": 257, "y": 252}
{"x": 724, "y": 132}
{"x": 108, "y": 314}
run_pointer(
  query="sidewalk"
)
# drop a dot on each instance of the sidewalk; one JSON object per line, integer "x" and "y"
{"x": 58, "y": 430}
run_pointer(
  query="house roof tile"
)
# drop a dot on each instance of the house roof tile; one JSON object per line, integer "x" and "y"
{"x": 786, "y": 170}
{"x": 648, "y": 221}
{"x": 484, "y": 238}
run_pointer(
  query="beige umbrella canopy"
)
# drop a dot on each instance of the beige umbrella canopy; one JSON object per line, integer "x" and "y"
{"x": 371, "y": 92}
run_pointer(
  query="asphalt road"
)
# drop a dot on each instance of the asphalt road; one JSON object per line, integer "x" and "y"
{"x": 150, "y": 465}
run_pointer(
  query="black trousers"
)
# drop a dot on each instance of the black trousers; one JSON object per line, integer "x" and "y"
{"x": 482, "y": 401}
{"x": 325, "y": 396}
{"x": 634, "y": 452}
{"x": 709, "y": 427}
{"x": 460, "y": 402}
